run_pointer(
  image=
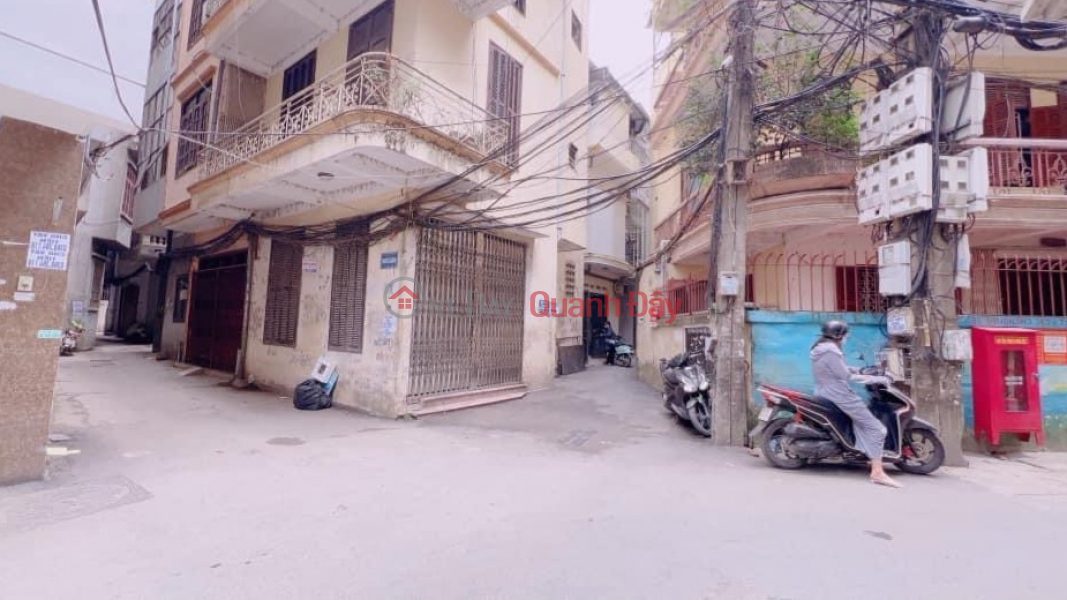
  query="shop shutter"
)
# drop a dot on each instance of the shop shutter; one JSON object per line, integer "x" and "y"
{"x": 283, "y": 294}
{"x": 348, "y": 299}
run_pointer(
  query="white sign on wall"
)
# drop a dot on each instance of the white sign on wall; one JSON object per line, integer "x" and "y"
{"x": 48, "y": 251}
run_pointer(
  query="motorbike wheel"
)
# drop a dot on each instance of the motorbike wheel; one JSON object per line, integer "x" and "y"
{"x": 772, "y": 449}
{"x": 623, "y": 361}
{"x": 928, "y": 452}
{"x": 700, "y": 417}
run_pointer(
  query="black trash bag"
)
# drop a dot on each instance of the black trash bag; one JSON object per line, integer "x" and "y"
{"x": 310, "y": 395}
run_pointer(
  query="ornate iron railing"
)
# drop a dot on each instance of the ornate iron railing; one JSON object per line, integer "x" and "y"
{"x": 1025, "y": 167}
{"x": 374, "y": 82}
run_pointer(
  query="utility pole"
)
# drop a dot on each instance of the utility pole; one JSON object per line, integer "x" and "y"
{"x": 936, "y": 383}
{"x": 729, "y": 238}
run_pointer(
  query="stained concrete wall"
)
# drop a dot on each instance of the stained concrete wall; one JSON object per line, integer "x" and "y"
{"x": 374, "y": 380}
{"x": 38, "y": 165}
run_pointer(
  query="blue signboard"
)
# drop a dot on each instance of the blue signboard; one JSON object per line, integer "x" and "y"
{"x": 390, "y": 260}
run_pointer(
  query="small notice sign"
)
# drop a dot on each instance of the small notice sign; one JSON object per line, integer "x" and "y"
{"x": 1052, "y": 349}
{"x": 390, "y": 260}
{"x": 48, "y": 251}
{"x": 311, "y": 266}
{"x": 49, "y": 334}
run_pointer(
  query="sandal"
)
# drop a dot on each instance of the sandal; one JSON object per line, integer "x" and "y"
{"x": 888, "y": 482}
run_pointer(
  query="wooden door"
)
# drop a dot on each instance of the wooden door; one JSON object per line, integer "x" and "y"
{"x": 216, "y": 316}
{"x": 372, "y": 33}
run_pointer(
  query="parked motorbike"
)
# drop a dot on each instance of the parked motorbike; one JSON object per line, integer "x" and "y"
{"x": 686, "y": 391}
{"x": 69, "y": 341}
{"x": 619, "y": 352}
{"x": 796, "y": 429}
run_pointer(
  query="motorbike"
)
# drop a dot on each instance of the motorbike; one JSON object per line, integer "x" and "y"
{"x": 685, "y": 391}
{"x": 796, "y": 429}
{"x": 69, "y": 341}
{"x": 619, "y": 352}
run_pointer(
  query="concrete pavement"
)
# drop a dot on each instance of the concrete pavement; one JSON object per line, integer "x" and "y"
{"x": 184, "y": 488}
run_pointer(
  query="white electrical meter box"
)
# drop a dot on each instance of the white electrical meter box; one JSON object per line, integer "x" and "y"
{"x": 978, "y": 163}
{"x": 900, "y": 322}
{"x": 956, "y": 345}
{"x": 894, "y": 364}
{"x": 873, "y": 124}
{"x": 897, "y": 253}
{"x": 963, "y": 116}
{"x": 871, "y": 200}
{"x": 894, "y": 280}
{"x": 910, "y": 107}
{"x": 910, "y": 185}
{"x": 728, "y": 284}
{"x": 955, "y": 175}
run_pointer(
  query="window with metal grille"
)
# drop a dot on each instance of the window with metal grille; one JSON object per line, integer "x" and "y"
{"x": 857, "y": 290}
{"x": 505, "y": 96}
{"x": 131, "y": 190}
{"x": 520, "y": 5}
{"x": 194, "y": 125}
{"x": 348, "y": 300}
{"x": 282, "y": 312}
{"x": 196, "y": 22}
{"x": 570, "y": 285}
{"x": 576, "y": 30}
{"x": 162, "y": 25}
{"x": 152, "y": 147}
{"x": 1033, "y": 287}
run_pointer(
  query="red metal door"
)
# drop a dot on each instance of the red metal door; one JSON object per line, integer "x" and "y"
{"x": 216, "y": 315}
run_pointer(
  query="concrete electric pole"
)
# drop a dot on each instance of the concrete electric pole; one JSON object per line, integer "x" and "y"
{"x": 729, "y": 228}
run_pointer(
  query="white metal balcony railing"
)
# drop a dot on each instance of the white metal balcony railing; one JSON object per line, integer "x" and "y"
{"x": 372, "y": 82}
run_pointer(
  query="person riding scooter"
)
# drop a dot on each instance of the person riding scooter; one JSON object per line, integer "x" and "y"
{"x": 610, "y": 340}
{"x": 832, "y": 378}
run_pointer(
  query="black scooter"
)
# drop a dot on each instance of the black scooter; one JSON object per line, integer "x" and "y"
{"x": 685, "y": 391}
{"x": 796, "y": 429}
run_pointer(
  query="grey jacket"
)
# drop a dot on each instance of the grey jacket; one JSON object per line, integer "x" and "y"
{"x": 832, "y": 375}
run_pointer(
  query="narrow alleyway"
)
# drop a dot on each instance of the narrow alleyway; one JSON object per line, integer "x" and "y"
{"x": 185, "y": 488}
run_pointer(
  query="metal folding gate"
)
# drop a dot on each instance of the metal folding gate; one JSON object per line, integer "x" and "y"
{"x": 468, "y": 323}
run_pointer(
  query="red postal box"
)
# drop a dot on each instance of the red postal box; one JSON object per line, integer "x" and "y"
{"x": 1007, "y": 393}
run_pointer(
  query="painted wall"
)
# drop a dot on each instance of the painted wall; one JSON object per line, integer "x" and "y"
{"x": 1053, "y": 377}
{"x": 607, "y": 231}
{"x": 374, "y": 380}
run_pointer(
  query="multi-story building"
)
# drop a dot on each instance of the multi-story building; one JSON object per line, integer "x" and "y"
{"x": 808, "y": 257}
{"x": 295, "y": 119}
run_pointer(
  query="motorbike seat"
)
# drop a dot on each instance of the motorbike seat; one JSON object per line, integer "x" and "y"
{"x": 835, "y": 415}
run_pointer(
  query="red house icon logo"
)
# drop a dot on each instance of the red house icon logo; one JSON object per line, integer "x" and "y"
{"x": 404, "y": 298}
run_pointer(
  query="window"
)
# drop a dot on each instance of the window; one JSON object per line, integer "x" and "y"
{"x": 520, "y": 5}
{"x": 152, "y": 148}
{"x": 196, "y": 22}
{"x": 97, "y": 293}
{"x": 162, "y": 25}
{"x": 1033, "y": 287}
{"x": 857, "y": 290}
{"x": 505, "y": 97}
{"x": 348, "y": 299}
{"x": 576, "y": 30}
{"x": 296, "y": 79}
{"x": 181, "y": 298}
{"x": 194, "y": 126}
{"x": 128, "y": 194}
{"x": 572, "y": 156}
{"x": 283, "y": 294}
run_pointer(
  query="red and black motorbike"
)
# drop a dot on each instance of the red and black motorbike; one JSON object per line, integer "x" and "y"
{"x": 796, "y": 429}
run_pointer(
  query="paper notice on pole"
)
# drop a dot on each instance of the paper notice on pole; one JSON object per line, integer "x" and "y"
{"x": 48, "y": 251}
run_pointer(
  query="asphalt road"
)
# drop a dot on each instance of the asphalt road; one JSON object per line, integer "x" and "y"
{"x": 186, "y": 489}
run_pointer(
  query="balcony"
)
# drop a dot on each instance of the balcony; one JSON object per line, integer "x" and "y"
{"x": 794, "y": 169}
{"x": 361, "y": 136}
{"x": 263, "y": 36}
{"x": 1027, "y": 168}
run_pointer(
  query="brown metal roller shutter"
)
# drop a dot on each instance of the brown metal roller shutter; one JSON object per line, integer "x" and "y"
{"x": 283, "y": 294}
{"x": 348, "y": 299}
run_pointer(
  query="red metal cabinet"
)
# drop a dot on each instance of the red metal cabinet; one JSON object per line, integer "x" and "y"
{"x": 1007, "y": 393}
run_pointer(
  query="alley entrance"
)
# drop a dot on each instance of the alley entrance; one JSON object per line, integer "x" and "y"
{"x": 216, "y": 318}
{"x": 592, "y": 324}
{"x": 476, "y": 342}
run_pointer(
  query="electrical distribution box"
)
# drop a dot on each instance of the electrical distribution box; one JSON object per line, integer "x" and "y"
{"x": 964, "y": 111}
{"x": 900, "y": 113}
{"x": 955, "y": 174}
{"x": 956, "y": 345}
{"x": 978, "y": 163}
{"x": 871, "y": 200}
{"x": 901, "y": 322}
{"x": 728, "y": 284}
{"x": 894, "y": 269}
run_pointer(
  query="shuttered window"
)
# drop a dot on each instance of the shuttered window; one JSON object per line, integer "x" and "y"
{"x": 505, "y": 96}
{"x": 283, "y": 294}
{"x": 348, "y": 300}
